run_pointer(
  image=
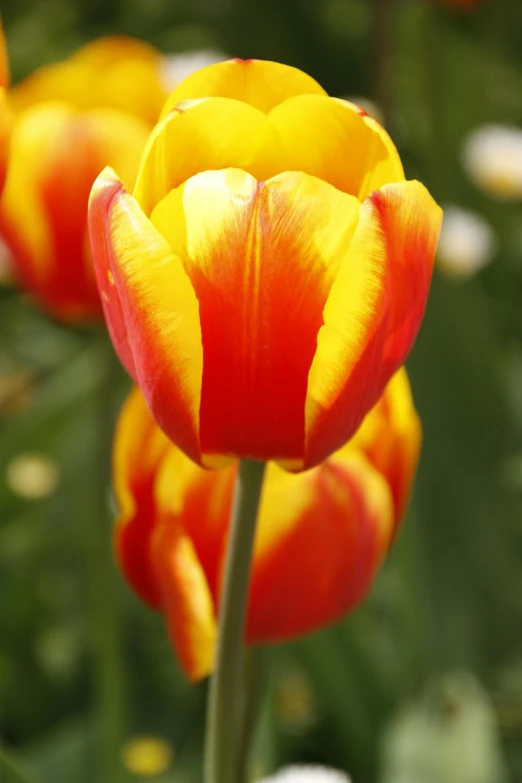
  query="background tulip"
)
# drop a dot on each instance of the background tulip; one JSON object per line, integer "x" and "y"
{"x": 56, "y": 153}
{"x": 271, "y": 271}
{"x": 5, "y": 109}
{"x": 322, "y": 533}
{"x": 71, "y": 120}
{"x": 113, "y": 71}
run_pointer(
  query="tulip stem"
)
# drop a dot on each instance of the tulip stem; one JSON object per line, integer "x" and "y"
{"x": 253, "y": 688}
{"x": 226, "y": 697}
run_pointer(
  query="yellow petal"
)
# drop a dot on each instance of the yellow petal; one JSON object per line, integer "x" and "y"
{"x": 372, "y": 314}
{"x": 187, "y": 602}
{"x": 139, "y": 449}
{"x": 328, "y": 138}
{"x": 315, "y": 134}
{"x": 114, "y": 71}
{"x": 151, "y": 308}
{"x": 261, "y": 83}
{"x": 204, "y": 134}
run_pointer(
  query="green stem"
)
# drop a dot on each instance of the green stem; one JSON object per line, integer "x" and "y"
{"x": 108, "y": 689}
{"x": 10, "y": 771}
{"x": 225, "y": 704}
{"x": 253, "y": 688}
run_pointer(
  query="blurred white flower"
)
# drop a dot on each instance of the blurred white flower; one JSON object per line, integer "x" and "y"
{"x": 451, "y": 734}
{"x": 32, "y": 476}
{"x": 307, "y": 774}
{"x": 466, "y": 244}
{"x": 176, "y": 67}
{"x": 492, "y": 158}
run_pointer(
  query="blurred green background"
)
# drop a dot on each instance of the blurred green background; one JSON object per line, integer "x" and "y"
{"x": 423, "y": 684}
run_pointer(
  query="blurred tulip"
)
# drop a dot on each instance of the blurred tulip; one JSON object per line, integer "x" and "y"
{"x": 56, "y": 153}
{"x": 270, "y": 273}
{"x": 5, "y": 108}
{"x": 307, "y": 774}
{"x": 73, "y": 119}
{"x": 467, "y": 242}
{"x": 492, "y": 158}
{"x": 322, "y": 533}
{"x": 114, "y": 71}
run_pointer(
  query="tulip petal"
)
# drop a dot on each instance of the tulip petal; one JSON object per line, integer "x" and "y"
{"x": 315, "y": 134}
{"x": 260, "y": 83}
{"x": 214, "y": 133}
{"x": 187, "y": 602}
{"x": 390, "y": 437}
{"x": 373, "y": 313}
{"x": 4, "y": 60}
{"x": 268, "y": 253}
{"x": 151, "y": 310}
{"x": 6, "y": 122}
{"x": 113, "y": 71}
{"x": 201, "y": 500}
{"x": 139, "y": 449}
{"x": 322, "y": 534}
{"x": 56, "y": 153}
{"x": 329, "y": 139}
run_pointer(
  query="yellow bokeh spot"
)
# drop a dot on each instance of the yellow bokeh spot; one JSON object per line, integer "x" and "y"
{"x": 15, "y": 390}
{"x": 295, "y": 701}
{"x": 32, "y": 476}
{"x": 147, "y": 757}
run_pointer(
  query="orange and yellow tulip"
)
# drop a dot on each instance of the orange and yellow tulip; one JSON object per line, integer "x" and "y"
{"x": 113, "y": 71}
{"x": 71, "y": 120}
{"x": 5, "y": 109}
{"x": 322, "y": 533}
{"x": 270, "y": 272}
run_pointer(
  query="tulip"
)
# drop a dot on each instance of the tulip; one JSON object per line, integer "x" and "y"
{"x": 321, "y": 534}
{"x": 113, "y": 71}
{"x": 71, "y": 120}
{"x": 56, "y": 153}
{"x": 5, "y": 109}
{"x": 269, "y": 274}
